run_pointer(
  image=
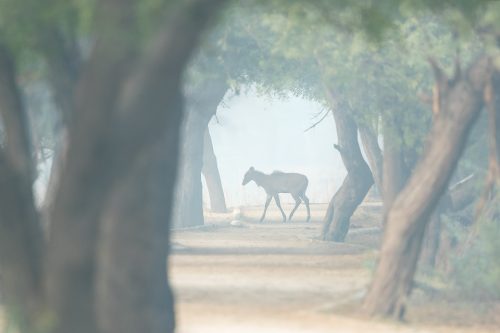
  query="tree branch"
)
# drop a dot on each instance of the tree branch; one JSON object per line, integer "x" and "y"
{"x": 153, "y": 88}
{"x": 317, "y": 122}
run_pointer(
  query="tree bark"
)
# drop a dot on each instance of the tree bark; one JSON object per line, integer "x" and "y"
{"x": 123, "y": 104}
{"x": 395, "y": 173}
{"x": 63, "y": 59}
{"x": 201, "y": 106}
{"x": 21, "y": 250}
{"x": 358, "y": 180}
{"x": 212, "y": 176}
{"x": 133, "y": 246}
{"x": 462, "y": 100}
{"x": 373, "y": 152}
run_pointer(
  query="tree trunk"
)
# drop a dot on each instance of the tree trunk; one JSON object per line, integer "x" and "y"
{"x": 212, "y": 176}
{"x": 189, "y": 201}
{"x": 21, "y": 241}
{"x": 63, "y": 58}
{"x": 358, "y": 180}
{"x": 133, "y": 294}
{"x": 432, "y": 240}
{"x": 201, "y": 106}
{"x": 395, "y": 173}
{"x": 374, "y": 155}
{"x": 123, "y": 105}
{"x": 407, "y": 219}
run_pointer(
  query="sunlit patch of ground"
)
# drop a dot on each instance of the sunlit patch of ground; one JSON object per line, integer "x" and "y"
{"x": 275, "y": 277}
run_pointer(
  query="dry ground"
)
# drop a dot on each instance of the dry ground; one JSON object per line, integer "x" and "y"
{"x": 279, "y": 278}
{"x": 275, "y": 277}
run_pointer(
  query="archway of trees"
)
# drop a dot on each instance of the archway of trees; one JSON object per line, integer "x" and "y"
{"x": 129, "y": 80}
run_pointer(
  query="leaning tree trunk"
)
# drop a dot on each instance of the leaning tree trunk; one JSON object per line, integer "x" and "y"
{"x": 201, "y": 106}
{"x": 357, "y": 182}
{"x": 124, "y": 105}
{"x": 212, "y": 176}
{"x": 373, "y": 154}
{"x": 461, "y": 101}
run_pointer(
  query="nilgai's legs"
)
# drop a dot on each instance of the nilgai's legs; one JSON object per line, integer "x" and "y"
{"x": 278, "y": 203}
{"x": 297, "y": 204}
{"x": 268, "y": 201}
{"x": 306, "y": 201}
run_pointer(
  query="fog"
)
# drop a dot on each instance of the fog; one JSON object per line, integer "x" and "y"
{"x": 270, "y": 134}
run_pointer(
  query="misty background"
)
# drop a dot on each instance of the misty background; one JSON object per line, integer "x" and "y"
{"x": 269, "y": 134}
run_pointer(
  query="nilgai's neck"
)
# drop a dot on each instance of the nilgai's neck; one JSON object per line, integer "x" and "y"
{"x": 260, "y": 178}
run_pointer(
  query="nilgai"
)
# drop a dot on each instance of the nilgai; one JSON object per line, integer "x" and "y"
{"x": 280, "y": 182}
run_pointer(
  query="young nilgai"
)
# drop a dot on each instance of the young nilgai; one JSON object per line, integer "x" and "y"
{"x": 280, "y": 182}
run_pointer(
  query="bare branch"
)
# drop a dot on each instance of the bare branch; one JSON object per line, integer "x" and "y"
{"x": 319, "y": 121}
{"x": 440, "y": 87}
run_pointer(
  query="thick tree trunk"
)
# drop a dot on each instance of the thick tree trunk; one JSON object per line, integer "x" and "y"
{"x": 133, "y": 246}
{"x": 432, "y": 240}
{"x": 123, "y": 106}
{"x": 120, "y": 111}
{"x": 212, "y": 176}
{"x": 357, "y": 182}
{"x": 201, "y": 106}
{"x": 373, "y": 154}
{"x": 410, "y": 212}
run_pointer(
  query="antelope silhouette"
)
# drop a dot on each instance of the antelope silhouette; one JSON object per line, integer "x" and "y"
{"x": 280, "y": 182}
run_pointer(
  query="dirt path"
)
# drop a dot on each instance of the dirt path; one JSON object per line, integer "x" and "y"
{"x": 278, "y": 278}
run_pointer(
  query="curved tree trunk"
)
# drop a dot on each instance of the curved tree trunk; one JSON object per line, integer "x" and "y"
{"x": 357, "y": 182}
{"x": 373, "y": 154}
{"x": 408, "y": 216}
{"x": 202, "y": 105}
{"x": 212, "y": 176}
{"x": 124, "y": 106}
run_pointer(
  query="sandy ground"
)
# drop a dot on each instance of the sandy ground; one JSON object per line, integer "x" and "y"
{"x": 280, "y": 278}
{"x": 275, "y": 277}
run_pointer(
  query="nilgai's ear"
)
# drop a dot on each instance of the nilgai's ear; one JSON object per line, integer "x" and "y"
{"x": 252, "y": 169}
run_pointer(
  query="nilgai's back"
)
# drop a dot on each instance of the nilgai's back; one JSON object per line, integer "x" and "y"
{"x": 284, "y": 182}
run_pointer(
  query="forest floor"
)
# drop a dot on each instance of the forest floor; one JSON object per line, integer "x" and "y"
{"x": 280, "y": 278}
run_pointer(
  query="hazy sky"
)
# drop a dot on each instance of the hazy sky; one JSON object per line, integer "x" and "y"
{"x": 269, "y": 134}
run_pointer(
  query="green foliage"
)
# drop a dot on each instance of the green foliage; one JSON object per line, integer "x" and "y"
{"x": 305, "y": 48}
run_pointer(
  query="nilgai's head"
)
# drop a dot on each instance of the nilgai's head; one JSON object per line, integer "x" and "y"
{"x": 248, "y": 176}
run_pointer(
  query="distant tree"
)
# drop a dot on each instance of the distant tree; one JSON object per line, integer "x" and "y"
{"x": 212, "y": 176}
